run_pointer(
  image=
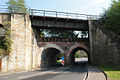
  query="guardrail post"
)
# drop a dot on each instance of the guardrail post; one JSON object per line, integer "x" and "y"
{"x": 31, "y": 11}
{"x": 67, "y": 15}
{"x": 44, "y": 13}
{"x": 56, "y": 14}
{"x": 44, "y": 17}
{"x": 77, "y": 16}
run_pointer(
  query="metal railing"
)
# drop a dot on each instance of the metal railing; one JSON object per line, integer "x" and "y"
{"x": 57, "y": 14}
{"x": 46, "y": 13}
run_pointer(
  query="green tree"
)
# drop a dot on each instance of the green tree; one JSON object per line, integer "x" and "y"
{"x": 81, "y": 54}
{"x": 5, "y": 42}
{"x": 60, "y": 33}
{"x": 5, "y": 39}
{"x": 84, "y": 33}
{"x": 16, "y": 6}
{"x": 111, "y": 17}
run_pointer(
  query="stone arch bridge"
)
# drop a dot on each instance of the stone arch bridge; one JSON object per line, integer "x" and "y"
{"x": 30, "y": 50}
{"x": 68, "y": 49}
{"x": 67, "y": 46}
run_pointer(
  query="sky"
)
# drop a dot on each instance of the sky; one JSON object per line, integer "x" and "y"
{"x": 90, "y": 7}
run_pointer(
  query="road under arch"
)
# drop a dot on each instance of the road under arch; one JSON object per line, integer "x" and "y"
{"x": 73, "y": 52}
{"x": 49, "y": 57}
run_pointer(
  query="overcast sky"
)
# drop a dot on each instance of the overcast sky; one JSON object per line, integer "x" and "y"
{"x": 94, "y": 7}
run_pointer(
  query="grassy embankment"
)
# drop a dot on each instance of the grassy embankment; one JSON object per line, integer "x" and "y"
{"x": 112, "y": 73}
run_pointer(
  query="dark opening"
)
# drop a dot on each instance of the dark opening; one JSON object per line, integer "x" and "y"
{"x": 50, "y": 57}
{"x": 79, "y": 55}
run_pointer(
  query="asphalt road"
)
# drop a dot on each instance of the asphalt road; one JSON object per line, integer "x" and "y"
{"x": 77, "y": 71}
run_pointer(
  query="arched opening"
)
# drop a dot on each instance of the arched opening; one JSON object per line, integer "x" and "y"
{"x": 49, "y": 57}
{"x": 79, "y": 55}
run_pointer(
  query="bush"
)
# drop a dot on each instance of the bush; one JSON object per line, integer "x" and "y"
{"x": 111, "y": 17}
{"x": 5, "y": 41}
{"x": 80, "y": 54}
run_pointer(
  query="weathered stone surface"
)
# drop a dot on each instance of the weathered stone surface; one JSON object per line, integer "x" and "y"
{"x": 64, "y": 48}
{"x": 27, "y": 51}
{"x": 4, "y": 18}
{"x": 24, "y": 46}
{"x": 104, "y": 46}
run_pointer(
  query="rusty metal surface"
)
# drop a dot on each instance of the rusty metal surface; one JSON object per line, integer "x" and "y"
{"x": 59, "y": 23}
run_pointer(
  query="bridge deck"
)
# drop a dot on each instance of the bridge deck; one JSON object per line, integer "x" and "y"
{"x": 46, "y": 22}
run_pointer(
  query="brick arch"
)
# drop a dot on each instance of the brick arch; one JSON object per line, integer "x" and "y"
{"x": 49, "y": 55}
{"x": 53, "y": 46}
{"x": 77, "y": 46}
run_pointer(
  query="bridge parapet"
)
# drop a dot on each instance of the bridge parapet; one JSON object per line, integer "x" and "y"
{"x": 53, "y": 19}
{"x": 62, "y": 20}
{"x": 44, "y": 22}
{"x": 47, "y": 13}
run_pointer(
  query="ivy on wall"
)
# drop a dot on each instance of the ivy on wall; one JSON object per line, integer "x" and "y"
{"x": 5, "y": 40}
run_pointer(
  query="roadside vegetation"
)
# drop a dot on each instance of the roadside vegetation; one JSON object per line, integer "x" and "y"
{"x": 5, "y": 40}
{"x": 111, "y": 21}
{"x": 112, "y": 73}
{"x": 80, "y": 54}
{"x": 111, "y": 17}
{"x": 17, "y": 6}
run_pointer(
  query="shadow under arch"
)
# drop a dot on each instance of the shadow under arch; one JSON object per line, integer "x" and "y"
{"x": 54, "y": 46}
{"x": 49, "y": 55}
{"x": 76, "y": 48}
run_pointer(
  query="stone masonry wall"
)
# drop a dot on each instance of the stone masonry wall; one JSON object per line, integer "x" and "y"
{"x": 104, "y": 46}
{"x": 4, "y": 18}
{"x": 26, "y": 50}
{"x": 24, "y": 47}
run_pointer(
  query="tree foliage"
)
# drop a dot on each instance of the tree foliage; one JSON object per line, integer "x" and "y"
{"x": 81, "y": 54}
{"x": 59, "y": 33}
{"x": 5, "y": 41}
{"x": 84, "y": 33}
{"x": 16, "y": 6}
{"x": 111, "y": 17}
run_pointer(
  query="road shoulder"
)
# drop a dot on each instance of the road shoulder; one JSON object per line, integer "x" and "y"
{"x": 95, "y": 73}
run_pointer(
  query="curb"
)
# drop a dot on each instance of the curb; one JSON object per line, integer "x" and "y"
{"x": 86, "y": 77}
{"x": 103, "y": 73}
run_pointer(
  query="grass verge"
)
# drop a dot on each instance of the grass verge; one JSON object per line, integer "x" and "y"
{"x": 112, "y": 73}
